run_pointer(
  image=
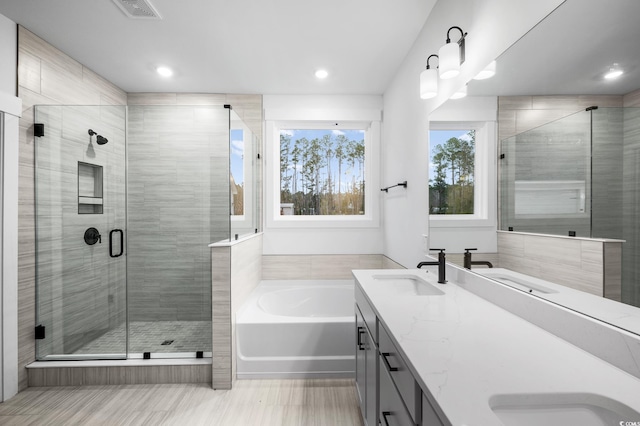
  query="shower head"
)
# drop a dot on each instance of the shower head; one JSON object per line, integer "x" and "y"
{"x": 101, "y": 140}
{"x": 92, "y": 133}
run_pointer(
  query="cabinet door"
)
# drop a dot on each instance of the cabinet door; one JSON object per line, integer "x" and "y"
{"x": 361, "y": 375}
{"x": 392, "y": 409}
{"x": 372, "y": 380}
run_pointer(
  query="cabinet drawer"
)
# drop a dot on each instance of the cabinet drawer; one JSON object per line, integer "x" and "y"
{"x": 392, "y": 362}
{"x": 392, "y": 410}
{"x": 367, "y": 313}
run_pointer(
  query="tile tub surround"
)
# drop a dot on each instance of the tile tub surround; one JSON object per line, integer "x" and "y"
{"x": 321, "y": 267}
{"x": 590, "y": 265}
{"x": 462, "y": 349}
{"x": 236, "y": 270}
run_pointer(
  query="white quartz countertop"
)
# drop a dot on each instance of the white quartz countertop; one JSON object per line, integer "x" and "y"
{"x": 465, "y": 350}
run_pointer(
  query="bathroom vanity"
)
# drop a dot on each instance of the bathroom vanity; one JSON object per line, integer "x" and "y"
{"x": 438, "y": 354}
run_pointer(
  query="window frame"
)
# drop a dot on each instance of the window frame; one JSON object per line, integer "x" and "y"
{"x": 371, "y": 217}
{"x": 485, "y": 176}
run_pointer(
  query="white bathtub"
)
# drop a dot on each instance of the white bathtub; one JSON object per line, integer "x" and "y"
{"x": 297, "y": 329}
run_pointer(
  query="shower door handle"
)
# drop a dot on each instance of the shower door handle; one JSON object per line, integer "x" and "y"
{"x": 116, "y": 231}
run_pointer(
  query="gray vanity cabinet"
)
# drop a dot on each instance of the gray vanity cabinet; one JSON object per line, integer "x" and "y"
{"x": 388, "y": 392}
{"x": 366, "y": 360}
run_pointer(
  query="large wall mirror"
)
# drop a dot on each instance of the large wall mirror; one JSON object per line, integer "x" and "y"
{"x": 564, "y": 168}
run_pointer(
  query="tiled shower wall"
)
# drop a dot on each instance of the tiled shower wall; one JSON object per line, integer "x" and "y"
{"x": 178, "y": 203}
{"x": 45, "y": 76}
{"x": 631, "y": 200}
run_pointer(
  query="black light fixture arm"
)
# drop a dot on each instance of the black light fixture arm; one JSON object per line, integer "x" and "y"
{"x": 393, "y": 186}
{"x": 461, "y": 32}
{"x": 431, "y": 56}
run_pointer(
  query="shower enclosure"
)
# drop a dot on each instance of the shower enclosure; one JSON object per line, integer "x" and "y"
{"x": 578, "y": 176}
{"x": 127, "y": 200}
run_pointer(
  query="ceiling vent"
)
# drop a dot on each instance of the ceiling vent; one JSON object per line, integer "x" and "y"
{"x": 138, "y": 9}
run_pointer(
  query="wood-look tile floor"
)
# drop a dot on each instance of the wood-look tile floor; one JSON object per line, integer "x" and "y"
{"x": 250, "y": 402}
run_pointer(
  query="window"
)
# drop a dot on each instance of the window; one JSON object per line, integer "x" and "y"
{"x": 462, "y": 174}
{"x": 334, "y": 188}
{"x": 322, "y": 172}
{"x": 452, "y": 171}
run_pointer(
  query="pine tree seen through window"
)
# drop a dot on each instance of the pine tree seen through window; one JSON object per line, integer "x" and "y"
{"x": 322, "y": 172}
{"x": 451, "y": 172}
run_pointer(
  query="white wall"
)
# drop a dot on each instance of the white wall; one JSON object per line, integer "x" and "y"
{"x": 492, "y": 26}
{"x": 8, "y": 56}
{"x": 316, "y": 238}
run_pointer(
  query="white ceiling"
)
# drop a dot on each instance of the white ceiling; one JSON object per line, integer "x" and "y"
{"x": 274, "y": 46}
{"x": 234, "y": 46}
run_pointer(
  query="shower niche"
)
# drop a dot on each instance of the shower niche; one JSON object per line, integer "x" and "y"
{"x": 90, "y": 198}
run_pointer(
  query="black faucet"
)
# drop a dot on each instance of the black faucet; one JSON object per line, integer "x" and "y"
{"x": 442, "y": 266}
{"x": 468, "y": 262}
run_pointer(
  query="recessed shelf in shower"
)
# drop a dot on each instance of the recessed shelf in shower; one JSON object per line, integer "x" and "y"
{"x": 90, "y": 199}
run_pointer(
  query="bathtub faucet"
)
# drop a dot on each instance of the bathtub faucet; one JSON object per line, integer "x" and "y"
{"x": 468, "y": 262}
{"x": 442, "y": 266}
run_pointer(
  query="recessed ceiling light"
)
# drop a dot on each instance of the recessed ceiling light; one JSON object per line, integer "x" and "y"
{"x": 322, "y": 74}
{"x": 164, "y": 71}
{"x": 614, "y": 72}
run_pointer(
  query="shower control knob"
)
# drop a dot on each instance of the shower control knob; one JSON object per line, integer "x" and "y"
{"x": 92, "y": 236}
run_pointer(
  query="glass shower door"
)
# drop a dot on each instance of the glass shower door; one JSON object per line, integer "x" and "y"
{"x": 80, "y": 219}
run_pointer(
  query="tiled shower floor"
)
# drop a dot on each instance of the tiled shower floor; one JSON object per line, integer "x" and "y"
{"x": 148, "y": 336}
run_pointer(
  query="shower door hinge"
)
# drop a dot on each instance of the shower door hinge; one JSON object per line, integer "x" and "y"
{"x": 39, "y": 332}
{"x": 38, "y": 130}
{"x": 502, "y": 156}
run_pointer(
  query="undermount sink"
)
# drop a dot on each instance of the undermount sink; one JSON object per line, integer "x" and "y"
{"x": 515, "y": 280}
{"x": 552, "y": 409}
{"x": 409, "y": 284}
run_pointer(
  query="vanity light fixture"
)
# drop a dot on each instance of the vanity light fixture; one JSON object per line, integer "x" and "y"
{"x": 429, "y": 81}
{"x": 460, "y": 93}
{"x": 614, "y": 72}
{"x": 164, "y": 71}
{"x": 488, "y": 72}
{"x": 451, "y": 56}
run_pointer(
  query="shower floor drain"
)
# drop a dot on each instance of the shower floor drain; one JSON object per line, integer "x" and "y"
{"x": 166, "y": 342}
